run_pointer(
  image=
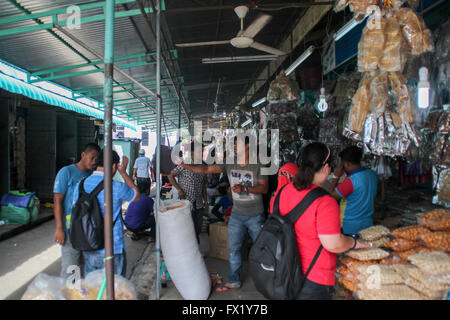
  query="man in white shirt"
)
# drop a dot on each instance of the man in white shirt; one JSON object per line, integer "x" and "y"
{"x": 142, "y": 169}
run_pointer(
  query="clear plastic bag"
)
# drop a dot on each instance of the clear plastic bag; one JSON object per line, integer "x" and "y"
{"x": 45, "y": 287}
{"x": 443, "y": 188}
{"x": 351, "y": 285}
{"x": 387, "y": 274}
{"x": 395, "y": 52}
{"x": 368, "y": 254}
{"x": 374, "y": 232}
{"x": 439, "y": 240}
{"x": 283, "y": 89}
{"x": 403, "y": 255}
{"x": 123, "y": 288}
{"x": 360, "y": 107}
{"x": 423, "y": 289}
{"x": 379, "y": 97}
{"x": 370, "y": 47}
{"x": 414, "y": 30}
{"x": 430, "y": 282}
{"x": 400, "y": 244}
{"x": 389, "y": 292}
{"x": 352, "y": 263}
{"x": 361, "y": 6}
{"x": 376, "y": 243}
{"x": 434, "y": 263}
{"x": 402, "y": 96}
{"x": 410, "y": 232}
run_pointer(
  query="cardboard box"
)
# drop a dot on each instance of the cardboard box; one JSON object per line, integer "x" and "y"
{"x": 218, "y": 242}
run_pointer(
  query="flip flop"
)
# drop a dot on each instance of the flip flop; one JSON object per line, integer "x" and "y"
{"x": 225, "y": 288}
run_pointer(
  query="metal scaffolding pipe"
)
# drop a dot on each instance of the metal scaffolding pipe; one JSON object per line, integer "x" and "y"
{"x": 158, "y": 146}
{"x": 85, "y": 46}
{"x": 107, "y": 151}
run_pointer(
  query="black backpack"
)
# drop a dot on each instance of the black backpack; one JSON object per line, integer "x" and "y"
{"x": 86, "y": 224}
{"x": 274, "y": 260}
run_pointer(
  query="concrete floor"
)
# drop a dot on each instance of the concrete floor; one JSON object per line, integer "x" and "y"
{"x": 32, "y": 252}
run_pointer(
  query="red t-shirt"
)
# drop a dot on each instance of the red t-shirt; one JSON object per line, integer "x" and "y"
{"x": 322, "y": 217}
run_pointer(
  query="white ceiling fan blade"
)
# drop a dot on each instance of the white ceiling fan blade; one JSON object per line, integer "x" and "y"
{"x": 263, "y": 47}
{"x": 197, "y": 44}
{"x": 257, "y": 26}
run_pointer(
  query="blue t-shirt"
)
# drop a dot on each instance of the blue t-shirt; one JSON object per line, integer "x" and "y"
{"x": 138, "y": 212}
{"x": 142, "y": 164}
{"x": 121, "y": 192}
{"x": 225, "y": 203}
{"x": 66, "y": 180}
{"x": 360, "y": 189}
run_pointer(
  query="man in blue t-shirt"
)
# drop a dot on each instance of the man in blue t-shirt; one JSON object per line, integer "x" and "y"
{"x": 94, "y": 260}
{"x": 139, "y": 216}
{"x": 65, "y": 182}
{"x": 360, "y": 189}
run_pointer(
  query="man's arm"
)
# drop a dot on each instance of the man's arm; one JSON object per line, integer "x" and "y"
{"x": 58, "y": 211}
{"x": 174, "y": 183}
{"x": 202, "y": 168}
{"x": 134, "y": 174}
{"x": 205, "y": 196}
{"x": 122, "y": 168}
{"x": 261, "y": 188}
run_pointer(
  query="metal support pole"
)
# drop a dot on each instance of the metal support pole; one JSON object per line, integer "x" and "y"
{"x": 158, "y": 146}
{"x": 107, "y": 151}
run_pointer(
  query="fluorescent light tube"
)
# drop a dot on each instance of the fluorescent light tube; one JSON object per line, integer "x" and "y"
{"x": 257, "y": 103}
{"x": 247, "y": 122}
{"x": 299, "y": 60}
{"x": 240, "y": 59}
{"x": 347, "y": 27}
{"x": 423, "y": 87}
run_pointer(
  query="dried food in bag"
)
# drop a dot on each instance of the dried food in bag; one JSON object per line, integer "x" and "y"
{"x": 433, "y": 283}
{"x": 360, "y": 107}
{"x": 410, "y": 232}
{"x": 438, "y": 220}
{"x": 415, "y": 31}
{"x": 394, "y": 260}
{"x": 433, "y": 263}
{"x": 403, "y": 98}
{"x": 84, "y": 292}
{"x": 443, "y": 187}
{"x": 403, "y": 255}
{"x": 385, "y": 274}
{"x": 123, "y": 288}
{"x": 376, "y": 243}
{"x": 351, "y": 285}
{"x": 374, "y": 232}
{"x": 390, "y": 292}
{"x": 370, "y": 47}
{"x": 403, "y": 270}
{"x": 361, "y": 6}
{"x": 368, "y": 254}
{"x": 342, "y": 270}
{"x": 352, "y": 263}
{"x": 439, "y": 240}
{"x": 379, "y": 97}
{"x": 395, "y": 52}
{"x": 420, "y": 287}
{"x": 400, "y": 244}
{"x": 45, "y": 287}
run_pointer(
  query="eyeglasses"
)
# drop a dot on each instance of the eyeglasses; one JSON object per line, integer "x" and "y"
{"x": 328, "y": 159}
{"x": 286, "y": 174}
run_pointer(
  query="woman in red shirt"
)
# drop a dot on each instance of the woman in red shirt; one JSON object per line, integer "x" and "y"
{"x": 319, "y": 225}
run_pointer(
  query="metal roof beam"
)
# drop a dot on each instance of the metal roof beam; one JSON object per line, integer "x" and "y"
{"x": 138, "y": 56}
{"x": 83, "y": 89}
{"x": 311, "y": 18}
{"x": 53, "y": 14}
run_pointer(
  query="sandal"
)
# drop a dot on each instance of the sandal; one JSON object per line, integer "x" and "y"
{"x": 226, "y": 287}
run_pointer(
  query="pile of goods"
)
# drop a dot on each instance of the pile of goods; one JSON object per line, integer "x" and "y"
{"x": 382, "y": 112}
{"x": 45, "y": 287}
{"x": 409, "y": 263}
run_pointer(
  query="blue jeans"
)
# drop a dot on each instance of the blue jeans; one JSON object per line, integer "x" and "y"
{"x": 237, "y": 230}
{"x": 95, "y": 261}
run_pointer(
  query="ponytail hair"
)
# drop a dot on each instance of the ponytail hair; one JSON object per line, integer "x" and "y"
{"x": 312, "y": 159}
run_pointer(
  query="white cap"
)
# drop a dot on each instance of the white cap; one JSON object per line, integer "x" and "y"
{"x": 142, "y": 151}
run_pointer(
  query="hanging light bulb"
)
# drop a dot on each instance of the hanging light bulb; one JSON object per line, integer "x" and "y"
{"x": 423, "y": 89}
{"x": 323, "y": 105}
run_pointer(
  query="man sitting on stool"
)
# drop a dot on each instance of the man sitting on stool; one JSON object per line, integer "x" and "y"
{"x": 139, "y": 216}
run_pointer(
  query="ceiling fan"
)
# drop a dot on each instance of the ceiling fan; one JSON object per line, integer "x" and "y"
{"x": 244, "y": 38}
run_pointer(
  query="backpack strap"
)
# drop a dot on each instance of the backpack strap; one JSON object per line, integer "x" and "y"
{"x": 297, "y": 212}
{"x": 97, "y": 189}
{"x": 276, "y": 203}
